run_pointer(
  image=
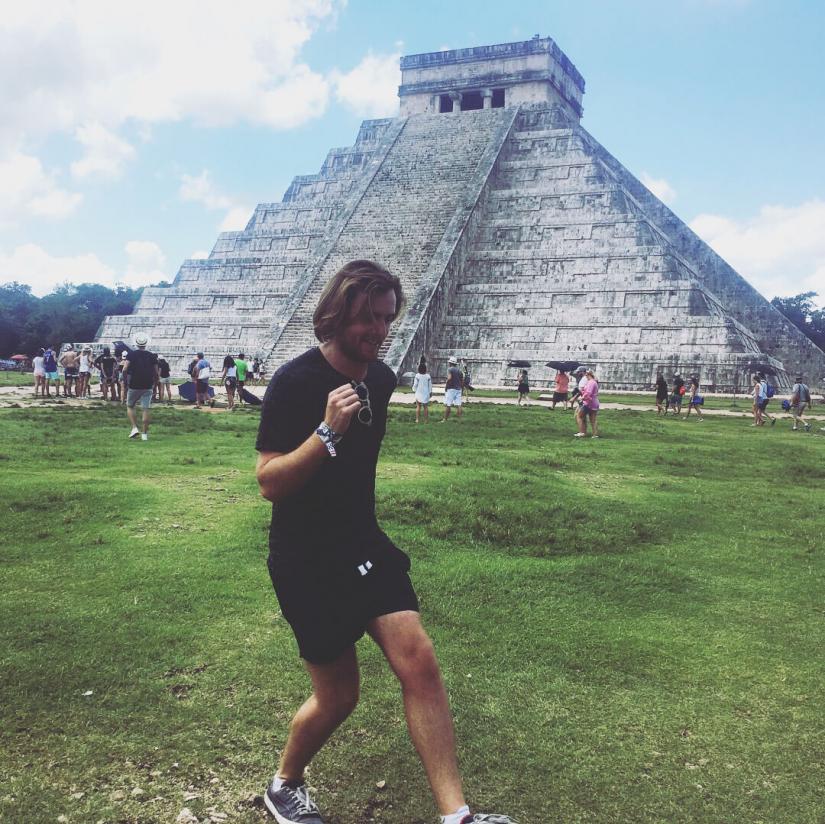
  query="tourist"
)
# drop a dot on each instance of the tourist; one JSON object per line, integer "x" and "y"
{"x": 262, "y": 371}
{"x": 141, "y": 372}
{"x": 107, "y": 366}
{"x": 256, "y": 369}
{"x": 678, "y": 394}
{"x": 229, "y": 379}
{"x": 452, "y": 389}
{"x": 39, "y": 374}
{"x": 122, "y": 377}
{"x": 200, "y": 374}
{"x": 523, "y": 387}
{"x": 800, "y": 401}
{"x": 84, "y": 383}
{"x": 560, "y": 390}
{"x": 757, "y": 401}
{"x": 69, "y": 361}
{"x": 765, "y": 395}
{"x": 661, "y": 394}
{"x": 164, "y": 380}
{"x": 422, "y": 389}
{"x": 50, "y": 368}
{"x": 467, "y": 378}
{"x": 336, "y": 574}
{"x": 242, "y": 366}
{"x": 695, "y": 400}
{"x": 589, "y": 406}
{"x": 580, "y": 384}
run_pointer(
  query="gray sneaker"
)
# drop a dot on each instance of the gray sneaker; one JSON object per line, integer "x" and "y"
{"x": 292, "y": 805}
{"x": 489, "y": 818}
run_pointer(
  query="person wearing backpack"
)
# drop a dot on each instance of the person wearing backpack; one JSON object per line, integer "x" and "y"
{"x": 800, "y": 401}
{"x": 766, "y": 392}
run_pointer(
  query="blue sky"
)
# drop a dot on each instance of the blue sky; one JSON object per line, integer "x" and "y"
{"x": 132, "y": 133}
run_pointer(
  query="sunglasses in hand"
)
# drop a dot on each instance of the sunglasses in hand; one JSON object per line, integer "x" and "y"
{"x": 365, "y": 412}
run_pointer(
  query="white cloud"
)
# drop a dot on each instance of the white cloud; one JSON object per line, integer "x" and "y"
{"x": 146, "y": 264}
{"x": 236, "y": 219}
{"x": 28, "y": 190}
{"x": 781, "y": 251}
{"x": 660, "y": 187}
{"x": 34, "y": 266}
{"x": 94, "y": 61}
{"x": 105, "y": 155}
{"x": 201, "y": 189}
{"x": 371, "y": 88}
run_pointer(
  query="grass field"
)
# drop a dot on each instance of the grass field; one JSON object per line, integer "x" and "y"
{"x": 631, "y": 629}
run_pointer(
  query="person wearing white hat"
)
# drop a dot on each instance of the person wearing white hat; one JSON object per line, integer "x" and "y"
{"x": 452, "y": 388}
{"x": 141, "y": 370}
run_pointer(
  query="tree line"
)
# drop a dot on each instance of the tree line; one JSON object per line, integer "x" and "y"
{"x": 803, "y": 314}
{"x": 69, "y": 313}
{"x": 73, "y": 313}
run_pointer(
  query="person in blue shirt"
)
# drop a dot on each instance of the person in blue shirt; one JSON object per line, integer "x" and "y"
{"x": 200, "y": 374}
{"x": 50, "y": 368}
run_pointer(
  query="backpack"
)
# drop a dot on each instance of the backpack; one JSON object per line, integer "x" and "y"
{"x": 770, "y": 391}
{"x": 804, "y": 393}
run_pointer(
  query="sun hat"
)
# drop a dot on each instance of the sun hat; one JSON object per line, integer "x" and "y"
{"x": 452, "y": 359}
{"x": 141, "y": 340}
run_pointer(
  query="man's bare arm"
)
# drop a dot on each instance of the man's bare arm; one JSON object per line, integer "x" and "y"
{"x": 282, "y": 473}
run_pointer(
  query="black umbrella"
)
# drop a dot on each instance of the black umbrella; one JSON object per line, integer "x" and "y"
{"x": 120, "y": 348}
{"x": 563, "y": 365}
{"x": 764, "y": 368}
{"x": 519, "y": 364}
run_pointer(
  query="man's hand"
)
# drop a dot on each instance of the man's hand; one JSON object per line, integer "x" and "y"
{"x": 342, "y": 404}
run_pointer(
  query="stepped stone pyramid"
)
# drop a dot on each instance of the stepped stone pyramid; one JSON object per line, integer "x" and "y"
{"x": 515, "y": 233}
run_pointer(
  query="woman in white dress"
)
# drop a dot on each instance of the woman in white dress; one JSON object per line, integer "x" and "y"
{"x": 423, "y": 389}
{"x": 39, "y": 375}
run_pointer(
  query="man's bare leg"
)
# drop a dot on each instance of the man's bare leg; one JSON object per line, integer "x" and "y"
{"x": 410, "y": 653}
{"x": 334, "y": 696}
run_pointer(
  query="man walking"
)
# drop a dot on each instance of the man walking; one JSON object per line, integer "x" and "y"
{"x": 800, "y": 401}
{"x": 335, "y": 572}
{"x": 452, "y": 388}
{"x": 141, "y": 371}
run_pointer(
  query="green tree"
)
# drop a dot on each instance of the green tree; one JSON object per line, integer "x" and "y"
{"x": 801, "y": 311}
{"x": 16, "y": 305}
{"x": 68, "y": 313}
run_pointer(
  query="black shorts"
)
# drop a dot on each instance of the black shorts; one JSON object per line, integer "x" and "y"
{"x": 559, "y": 397}
{"x": 328, "y": 613}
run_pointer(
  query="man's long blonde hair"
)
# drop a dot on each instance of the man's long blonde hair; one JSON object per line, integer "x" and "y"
{"x": 356, "y": 278}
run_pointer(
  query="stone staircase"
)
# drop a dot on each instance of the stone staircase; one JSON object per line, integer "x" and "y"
{"x": 564, "y": 265}
{"x": 225, "y": 303}
{"x": 401, "y": 217}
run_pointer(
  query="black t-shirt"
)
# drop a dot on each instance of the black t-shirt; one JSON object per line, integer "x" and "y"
{"x": 106, "y": 364}
{"x": 163, "y": 367}
{"x": 332, "y": 518}
{"x": 141, "y": 368}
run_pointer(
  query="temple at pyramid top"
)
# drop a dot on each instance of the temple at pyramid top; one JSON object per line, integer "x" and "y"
{"x": 517, "y": 236}
{"x": 491, "y": 77}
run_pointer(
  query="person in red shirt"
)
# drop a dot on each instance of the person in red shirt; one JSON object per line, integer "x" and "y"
{"x": 562, "y": 385}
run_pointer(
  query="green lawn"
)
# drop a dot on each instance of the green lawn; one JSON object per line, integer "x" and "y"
{"x": 16, "y": 379}
{"x": 630, "y": 630}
